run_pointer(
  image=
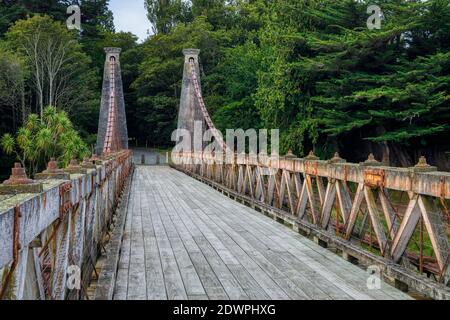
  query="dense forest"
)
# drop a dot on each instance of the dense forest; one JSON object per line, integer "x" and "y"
{"x": 311, "y": 68}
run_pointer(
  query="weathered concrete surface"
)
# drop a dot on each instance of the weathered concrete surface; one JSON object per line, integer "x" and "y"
{"x": 189, "y": 112}
{"x": 77, "y": 212}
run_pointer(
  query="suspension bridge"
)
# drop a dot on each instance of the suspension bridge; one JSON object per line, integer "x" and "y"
{"x": 205, "y": 228}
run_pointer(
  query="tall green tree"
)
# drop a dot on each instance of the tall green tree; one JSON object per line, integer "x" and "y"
{"x": 13, "y": 10}
{"x": 331, "y": 83}
{"x": 59, "y": 70}
{"x": 166, "y": 14}
{"x": 13, "y": 74}
{"x": 97, "y": 22}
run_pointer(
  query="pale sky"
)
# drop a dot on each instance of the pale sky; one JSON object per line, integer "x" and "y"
{"x": 130, "y": 16}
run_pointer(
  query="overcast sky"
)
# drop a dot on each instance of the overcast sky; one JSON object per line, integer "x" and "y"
{"x": 130, "y": 16}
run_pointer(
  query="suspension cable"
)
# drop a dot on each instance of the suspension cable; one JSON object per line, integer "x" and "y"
{"x": 205, "y": 113}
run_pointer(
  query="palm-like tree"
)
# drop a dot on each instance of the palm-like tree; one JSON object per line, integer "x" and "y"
{"x": 40, "y": 139}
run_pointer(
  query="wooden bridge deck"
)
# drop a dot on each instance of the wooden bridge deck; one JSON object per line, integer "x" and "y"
{"x": 184, "y": 240}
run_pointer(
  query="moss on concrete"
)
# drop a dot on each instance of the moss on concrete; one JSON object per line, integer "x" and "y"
{"x": 21, "y": 188}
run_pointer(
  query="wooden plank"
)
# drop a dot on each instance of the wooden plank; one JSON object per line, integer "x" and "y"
{"x": 333, "y": 264}
{"x": 257, "y": 237}
{"x": 136, "y": 274}
{"x": 302, "y": 202}
{"x": 248, "y": 283}
{"x": 290, "y": 191}
{"x": 200, "y": 245}
{"x": 262, "y": 185}
{"x": 242, "y": 179}
{"x": 255, "y": 262}
{"x": 320, "y": 189}
{"x": 344, "y": 269}
{"x": 250, "y": 181}
{"x": 190, "y": 277}
{"x": 156, "y": 289}
{"x": 305, "y": 288}
{"x": 38, "y": 273}
{"x": 312, "y": 199}
{"x": 262, "y": 279}
{"x": 121, "y": 286}
{"x": 229, "y": 283}
{"x": 375, "y": 215}
{"x": 379, "y": 294}
{"x": 187, "y": 230}
{"x": 219, "y": 267}
{"x": 173, "y": 281}
{"x": 271, "y": 188}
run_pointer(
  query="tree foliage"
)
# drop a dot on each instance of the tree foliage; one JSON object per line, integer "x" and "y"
{"x": 339, "y": 80}
{"x": 75, "y": 83}
{"x": 42, "y": 138}
{"x": 314, "y": 70}
{"x": 12, "y": 87}
{"x": 55, "y": 60}
{"x": 311, "y": 68}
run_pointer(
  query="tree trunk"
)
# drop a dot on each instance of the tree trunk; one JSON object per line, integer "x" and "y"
{"x": 401, "y": 156}
{"x": 385, "y": 151}
{"x": 24, "y": 112}
{"x": 385, "y": 154}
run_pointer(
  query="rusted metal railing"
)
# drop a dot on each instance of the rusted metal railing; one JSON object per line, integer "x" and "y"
{"x": 377, "y": 207}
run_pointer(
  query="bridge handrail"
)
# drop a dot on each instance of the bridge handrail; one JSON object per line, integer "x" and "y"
{"x": 299, "y": 183}
{"x": 63, "y": 225}
{"x": 422, "y": 180}
{"x": 311, "y": 190}
{"x": 217, "y": 135}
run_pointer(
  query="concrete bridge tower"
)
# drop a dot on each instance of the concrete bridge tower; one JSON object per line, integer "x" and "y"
{"x": 190, "y": 110}
{"x": 112, "y": 126}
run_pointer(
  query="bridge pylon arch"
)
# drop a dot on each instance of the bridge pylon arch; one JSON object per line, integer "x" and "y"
{"x": 193, "y": 115}
{"x": 190, "y": 112}
{"x": 112, "y": 126}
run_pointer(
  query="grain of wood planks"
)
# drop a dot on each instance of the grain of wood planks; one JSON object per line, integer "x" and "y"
{"x": 185, "y": 240}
